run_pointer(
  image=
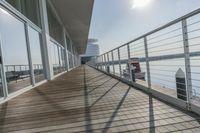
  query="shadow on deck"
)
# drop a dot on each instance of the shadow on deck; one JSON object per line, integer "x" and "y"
{"x": 85, "y": 100}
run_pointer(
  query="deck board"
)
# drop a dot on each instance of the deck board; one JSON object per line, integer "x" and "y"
{"x": 85, "y": 100}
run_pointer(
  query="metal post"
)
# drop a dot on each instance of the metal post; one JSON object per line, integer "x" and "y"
{"x": 187, "y": 61}
{"x": 29, "y": 56}
{"x": 101, "y": 62}
{"x": 113, "y": 62}
{"x": 129, "y": 58}
{"x": 3, "y": 73}
{"x": 104, "y": 62}
{"x": 46, "y": 47}
{"x": 120, "y": 68}
{"x": 108, "y": 64}
{"x": 147, "y": 62}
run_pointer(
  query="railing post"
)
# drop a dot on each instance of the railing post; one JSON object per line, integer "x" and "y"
{"x": 108, "y": 64}
{"x": 187, "y": 61}
{"x": 3, "y": 73}
{"x": 104, "y": 62}
{"x": 32, "y": 75}
{"x": 129, "y": 57}
{"x": 101, "y": 62}
{"x": 113, "y": 62}
{"x": 120, "y": 68}
{"x": 147, "y": 62}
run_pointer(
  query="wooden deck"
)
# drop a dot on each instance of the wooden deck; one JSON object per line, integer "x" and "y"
{"x": 85, "y": 100}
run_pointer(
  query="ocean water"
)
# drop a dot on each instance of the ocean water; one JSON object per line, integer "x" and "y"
{"x": 163, "y": 72}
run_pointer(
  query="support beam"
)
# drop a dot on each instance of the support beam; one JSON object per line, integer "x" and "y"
{"x": 187, "y": 61}
{"x": 46, "y": 47}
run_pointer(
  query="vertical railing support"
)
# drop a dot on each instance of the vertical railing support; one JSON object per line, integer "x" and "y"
{"x": 187, "y": 61}
{"x": 104, "y": 62}
{"x": 129, "y": 58}
{"x": 108, "y": 64}
{"x": 101, "y": 58}
{"x": 29, "y": 56}
{"x": 147, "y": 62}
{"x": 113, "y": 64}
{"x": 120, "y": 68}
{"x": 2, "y": 72}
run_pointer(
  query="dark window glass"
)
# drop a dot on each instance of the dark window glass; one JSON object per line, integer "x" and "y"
{"x": 30, "y": 8}
{"x": 55, "y": 28}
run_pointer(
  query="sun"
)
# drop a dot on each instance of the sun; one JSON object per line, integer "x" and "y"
{"x": 140, "y": 3}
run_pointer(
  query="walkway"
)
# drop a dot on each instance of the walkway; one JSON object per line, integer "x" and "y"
{"x": 85, "y": 100}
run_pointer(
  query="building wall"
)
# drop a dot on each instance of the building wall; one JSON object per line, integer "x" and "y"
{"x": 34, "y": 46}
{"x": 91, "y": 51}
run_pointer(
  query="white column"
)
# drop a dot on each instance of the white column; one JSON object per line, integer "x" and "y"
{"x": 46, "y": 45}
{"x": 66, "y": 50}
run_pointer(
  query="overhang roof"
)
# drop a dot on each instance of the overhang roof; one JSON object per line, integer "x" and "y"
{"x": 76, "y": 17}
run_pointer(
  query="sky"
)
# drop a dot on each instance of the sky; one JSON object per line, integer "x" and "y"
{"x": 115, "y": 22}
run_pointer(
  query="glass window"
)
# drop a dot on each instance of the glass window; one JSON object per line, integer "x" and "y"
{"x": 70, "y": 60}
{"x": 68, "y": 45}
{"x": 55, "y": 58}
{"x": 61, "y": 59}
{"x": 14, "y": 51}
{"x": 30, "y": 8}
{"x": 55, "y": 28}
{"x": 34, "y": 38}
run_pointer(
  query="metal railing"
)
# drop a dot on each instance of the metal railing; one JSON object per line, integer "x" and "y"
{"x": 162, "y": 53}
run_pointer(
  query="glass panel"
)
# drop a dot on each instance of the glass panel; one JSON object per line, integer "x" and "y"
{"x": 34, "y": 38}
{"x": 55, "y": 58}
{"x": 30, "y": 8}
{"x": 55, "y": 29}
{"x": 70, "y": 60}
{"x": 14, "y": 52}
{"x": 60, "y": 59}
{"x": 68, "y": 44}
{"x": 63, "y": 59}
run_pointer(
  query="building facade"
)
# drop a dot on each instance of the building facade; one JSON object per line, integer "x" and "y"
{"x": 40, "y": 40}
{"x": 91, "y": 51}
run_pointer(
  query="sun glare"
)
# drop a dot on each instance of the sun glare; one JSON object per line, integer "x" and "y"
{"x": 140, "y": 3}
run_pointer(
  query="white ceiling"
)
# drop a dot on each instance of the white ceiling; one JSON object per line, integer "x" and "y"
{"x": 76, "y": 17}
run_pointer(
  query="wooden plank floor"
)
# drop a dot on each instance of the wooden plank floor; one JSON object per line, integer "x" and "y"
{"x": 85, "y": 100}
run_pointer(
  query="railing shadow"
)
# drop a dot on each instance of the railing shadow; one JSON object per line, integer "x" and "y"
{"x": 110, "y": 121}
{"x": 151, "y": 115}
{"x": 104, "y": 94}
{"x": 92, "y": 78}
{"x": 99, "y": 85}
{"x": 3, "y": 112}
{"x": 88, "y": 124}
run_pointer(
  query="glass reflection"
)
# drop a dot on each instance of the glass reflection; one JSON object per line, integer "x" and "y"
{"x": 58, "y": 60}
{"x": 55, "y": 59}
{"x": 34, "y": 38}
{"x": 30, "y": 8}
{"x": 14, "y": 52}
